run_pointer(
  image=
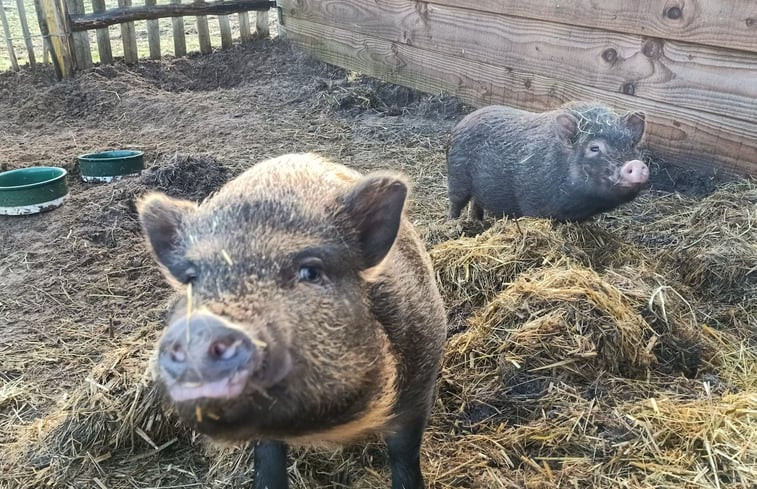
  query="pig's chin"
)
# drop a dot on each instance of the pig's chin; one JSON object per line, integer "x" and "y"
{"x": 226, "y": 388}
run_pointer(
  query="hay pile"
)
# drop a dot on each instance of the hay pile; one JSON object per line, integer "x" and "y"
{"x": 615, "y": 354}
{"x": 597, "y": 363}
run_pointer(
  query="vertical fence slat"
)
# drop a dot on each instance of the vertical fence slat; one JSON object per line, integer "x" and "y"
{"x": 51, "y": 15}
{"x": 8, "y": 42}
{"x": 153, "y": 34}
{"x": 103, "y": 36}
{"x": 25, "y": 30}
{"x": 203, "y": 32}
{"x": 128, "y": 37}
{"x": 261, "y": 24}
{"x": 244, "y": 27}
{"x": 82, "y": 52}
{"x": 179, "y": 42}
{"x": 223, "y": 22}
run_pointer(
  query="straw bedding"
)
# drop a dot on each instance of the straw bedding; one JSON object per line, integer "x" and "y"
{"x": 619, "y": 353}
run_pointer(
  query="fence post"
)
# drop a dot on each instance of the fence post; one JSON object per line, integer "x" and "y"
{"x": 179, "y": 41}
{"x": 25, "y": 30}
{"x": 223, "y": 23}
{"x": 153, "y": 34}
{"x": 8, "y": 41}
{"x": 103, "y": 36}
{"x": 261, "y": 24}
{"x": 203, "y": 32}
{"x": 53, "y": 23}
{"x": 82, "y": 51}
{"x": 128, "y": 37}
{"x": 244, "y": 27}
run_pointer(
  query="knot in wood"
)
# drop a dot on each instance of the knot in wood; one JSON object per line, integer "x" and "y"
{"x": 609, "y": 55}
{"x": 674, "y": 13}
{"x": 652, "y": 48}
{"x": 628, "y": 88}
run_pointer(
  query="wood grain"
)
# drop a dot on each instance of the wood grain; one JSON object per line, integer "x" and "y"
{"x": 691, "y": 76}
{"x": 722, "y": 23}
{"x": 103, "y": 36}
{"x": 677, "y": 135}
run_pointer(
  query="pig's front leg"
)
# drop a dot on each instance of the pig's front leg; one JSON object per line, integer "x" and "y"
{"x": 405, "y": 455}
{"x": 270, "y": 466}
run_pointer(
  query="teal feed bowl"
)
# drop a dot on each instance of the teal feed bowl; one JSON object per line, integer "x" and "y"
{"x": 109, "y": 166}
{"x": 32, "y": 190}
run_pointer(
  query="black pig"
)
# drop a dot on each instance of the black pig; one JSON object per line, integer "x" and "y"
{"x": 569, "y": 164}
{"x": 310, "y": 314}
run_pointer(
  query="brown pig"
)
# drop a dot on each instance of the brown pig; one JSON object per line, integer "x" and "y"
{"x": 310, "y": 314}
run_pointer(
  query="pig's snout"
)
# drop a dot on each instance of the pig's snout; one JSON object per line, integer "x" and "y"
{"x": 200, "y": 357}
{"x": 633, "y": 173}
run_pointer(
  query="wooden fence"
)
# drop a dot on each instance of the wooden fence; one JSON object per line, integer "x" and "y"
{"x": 690, "y": 64}
{"x": 63, "y": 25}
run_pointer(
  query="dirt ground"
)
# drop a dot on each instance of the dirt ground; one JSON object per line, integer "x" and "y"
{"x": 81, "y": 302}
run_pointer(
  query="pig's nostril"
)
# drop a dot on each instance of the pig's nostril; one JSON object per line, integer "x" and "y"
{"x": 223, "y": 350}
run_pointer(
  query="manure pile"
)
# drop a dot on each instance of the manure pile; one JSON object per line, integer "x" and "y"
{"x": 616, "y": 354}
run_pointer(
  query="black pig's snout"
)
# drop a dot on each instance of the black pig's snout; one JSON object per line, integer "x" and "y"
{"x": 201, "y": 357}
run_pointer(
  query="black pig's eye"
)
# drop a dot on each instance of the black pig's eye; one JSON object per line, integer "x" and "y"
{"x": 189, "y": 275}
{"x": 594, "y": 148}
{"x": 311, "y": 271}
{"x": 310, "y": 274}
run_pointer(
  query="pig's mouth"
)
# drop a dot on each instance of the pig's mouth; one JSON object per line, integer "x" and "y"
{"x": 225, "y": 388}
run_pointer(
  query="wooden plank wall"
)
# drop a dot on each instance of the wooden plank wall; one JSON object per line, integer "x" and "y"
{"x": 691, "y": 65}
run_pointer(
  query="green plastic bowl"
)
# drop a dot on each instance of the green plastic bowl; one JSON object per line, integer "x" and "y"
{"x": 109, "y": 166}
{"x": 32, "y": 190}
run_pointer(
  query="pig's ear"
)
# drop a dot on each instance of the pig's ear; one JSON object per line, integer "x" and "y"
{"x": 374, "y": 209}
{"x": 161, "y": 218}
{"x": 567, "y": 127}
{"x": 636, "y": 123}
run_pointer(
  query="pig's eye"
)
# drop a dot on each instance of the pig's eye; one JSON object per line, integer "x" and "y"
{"x": 311, "y": 271}
{"x": 594, "y": 148}
{"x": 310, "y": 274}
{"x": 189, "y": 275}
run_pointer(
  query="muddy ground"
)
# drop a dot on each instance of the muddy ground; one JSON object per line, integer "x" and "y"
{"x": 76, "y": 283}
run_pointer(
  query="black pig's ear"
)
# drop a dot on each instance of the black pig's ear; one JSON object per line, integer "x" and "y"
{"x": 161, "y": 218}
{"x": 374, "y": 210}
{"x": 567, "y": 128}
{"x": 636, "y": 123}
